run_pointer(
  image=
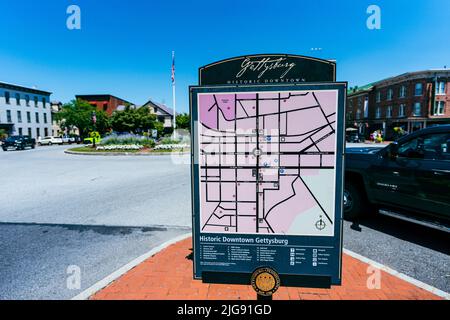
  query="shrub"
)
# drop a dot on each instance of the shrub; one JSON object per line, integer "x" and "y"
{"x": 128, "y": 139}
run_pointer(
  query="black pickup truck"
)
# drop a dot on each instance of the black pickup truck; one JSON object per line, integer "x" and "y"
{"x": 409, "y": 179}
{"x": 18, "y": 143}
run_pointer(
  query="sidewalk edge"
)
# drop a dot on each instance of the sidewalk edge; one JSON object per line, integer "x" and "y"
{"x": 118, "y": 273}
{"x": 399, "y": 275}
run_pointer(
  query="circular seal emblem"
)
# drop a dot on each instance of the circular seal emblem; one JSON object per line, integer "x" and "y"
{"x": 265, "y": 281}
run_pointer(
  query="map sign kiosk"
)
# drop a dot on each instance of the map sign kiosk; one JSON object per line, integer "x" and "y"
{"x": 267, "y": 172}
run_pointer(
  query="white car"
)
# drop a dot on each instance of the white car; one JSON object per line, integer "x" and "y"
{"x": 68, "y": 139}
{"x": 48, "y": 141}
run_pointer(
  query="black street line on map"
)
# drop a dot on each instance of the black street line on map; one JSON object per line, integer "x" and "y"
{"x": 258, "y": 180}
{"x": 287, "y": 199}
{"x": 323, "y": 112}
{"x": 274, "y": 99}
{"x": 243, "y": 108}
{"x": 268, "y": 114}
{"x": 321, "y": 139}
{"x": 315, "y": 199}
{"x": 235, "y": 160}
{"x": 257, "y": 162}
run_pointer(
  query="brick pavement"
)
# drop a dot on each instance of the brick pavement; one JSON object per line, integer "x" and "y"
{"x": 168, "y": 276}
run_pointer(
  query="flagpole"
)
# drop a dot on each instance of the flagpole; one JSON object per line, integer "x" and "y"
{"x": 174, "y": 97}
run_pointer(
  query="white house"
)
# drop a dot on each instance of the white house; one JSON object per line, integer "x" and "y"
{"x": 163, "y": 112}
{"x": 25, "y": 111}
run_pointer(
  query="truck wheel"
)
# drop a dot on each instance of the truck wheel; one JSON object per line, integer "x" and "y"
{"x": 353, "y": 202}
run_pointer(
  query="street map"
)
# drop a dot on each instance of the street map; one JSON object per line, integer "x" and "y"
{"x": 267, "y": 162}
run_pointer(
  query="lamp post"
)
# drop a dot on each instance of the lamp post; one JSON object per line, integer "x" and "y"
{"x": 94, "y": 122}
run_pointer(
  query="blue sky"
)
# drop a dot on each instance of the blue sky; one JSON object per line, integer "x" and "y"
{"x": 124, "y": 47}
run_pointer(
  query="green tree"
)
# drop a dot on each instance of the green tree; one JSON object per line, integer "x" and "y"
{"x": 183, "y": 121}
{"x": 159, "y": 126}
{"x": 78, "y": 114}
{"x": 133, "y": 120}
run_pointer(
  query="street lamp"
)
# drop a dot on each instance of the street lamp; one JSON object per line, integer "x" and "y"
{"x": 94, "y": 122}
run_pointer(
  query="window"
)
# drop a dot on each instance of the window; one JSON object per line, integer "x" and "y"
{"x": 105, "y": 106}
{"x": 378, "y": 113}
{"x": 8, "y": 116}
{"x": 390, "y": 94}
{"x": 38, "y": 132}
{"x": 29, "y": 132}
{"x": 439, "y": 108}
{"x": 418, "y": 89}
{"x": 18, "y": 99}
{"x": 389, "y": 112}
{"x": 44, "y": 102}
{"x": 19, "y": 117}
{"x": 37, "y": 117}
{"x": 36, "y": 102}
{"x": 432, "y": 146}
{"x": 440, "y": 88}
{"x": 402, "y": 91}
{"x": 45, "y": 119}
{"x": 378, "y": 96}
{"x": 20, "y": 132}
{"x": 358, "y": 114}
{"x": 7, "y": 97}
{"x": 45, "y": 131}
{"x": 417, "y": 109}
{"x": 366, "y": 108}
{"x": 27, "y": 100}
{"x": 28, "y": 116}
{"x": 401, "y": 110}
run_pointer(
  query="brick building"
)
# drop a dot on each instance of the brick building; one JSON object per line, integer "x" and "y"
{"x": 412, "y": 101}
{"x": 105, "y": 102}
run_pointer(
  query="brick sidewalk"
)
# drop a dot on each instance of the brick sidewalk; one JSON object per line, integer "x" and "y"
{"x": 168, "y": 276}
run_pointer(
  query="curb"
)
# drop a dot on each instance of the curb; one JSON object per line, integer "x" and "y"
{"x": 128, "y": 154}
{"x": 120, "y": 272}
{"x": 399, "y": 275}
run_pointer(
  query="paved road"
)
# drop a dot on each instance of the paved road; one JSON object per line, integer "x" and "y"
{"x": 417, "y": 251}
{"x": 35, "y": 260}
{"x": 59, "y": 210}
{"x": 48, "y": 186}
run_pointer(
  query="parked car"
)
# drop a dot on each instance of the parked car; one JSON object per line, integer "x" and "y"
{"x": 354, "y": 137}
{"x": 68, "y": 139}
{"x": 409, "y": 179}
{"x": 18, "y": 143}
{"x": 48, "y": 141}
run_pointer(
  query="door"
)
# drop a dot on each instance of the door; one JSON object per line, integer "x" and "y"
{"x": 393, "y": 181}
{"x": 433, "y": 176}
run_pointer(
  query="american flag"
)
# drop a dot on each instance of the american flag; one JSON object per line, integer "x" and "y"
{"x": 173, "y": 67}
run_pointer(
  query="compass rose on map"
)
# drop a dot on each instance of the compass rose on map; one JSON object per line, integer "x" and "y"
{"x": 320, "y": 225}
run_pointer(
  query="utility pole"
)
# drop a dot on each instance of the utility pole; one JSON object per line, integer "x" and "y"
{"x": 174, "y": 97}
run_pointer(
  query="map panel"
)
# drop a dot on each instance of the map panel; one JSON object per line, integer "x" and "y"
{"x": 268, "y": 162}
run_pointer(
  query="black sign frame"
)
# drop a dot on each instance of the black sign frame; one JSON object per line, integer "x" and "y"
{"x": 267, "y": 69}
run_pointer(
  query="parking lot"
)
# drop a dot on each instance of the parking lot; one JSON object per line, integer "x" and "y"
{"x": 101, "y": 212}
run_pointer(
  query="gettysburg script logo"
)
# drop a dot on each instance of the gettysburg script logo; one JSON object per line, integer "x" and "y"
{"x": 264, "y": 65}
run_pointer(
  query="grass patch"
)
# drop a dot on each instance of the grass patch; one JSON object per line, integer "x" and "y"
{"x": 92, "y": 150}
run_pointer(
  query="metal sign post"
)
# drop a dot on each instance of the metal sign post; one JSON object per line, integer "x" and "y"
{"x": 267, "y": 172}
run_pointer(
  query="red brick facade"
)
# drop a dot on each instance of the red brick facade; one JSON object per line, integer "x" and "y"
{"x": 107, "y": 103}
{"x": 399, "y": 102}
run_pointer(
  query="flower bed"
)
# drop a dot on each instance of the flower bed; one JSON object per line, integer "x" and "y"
{"x": 171, "y": 147}
{"x": 124, "y": 147}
